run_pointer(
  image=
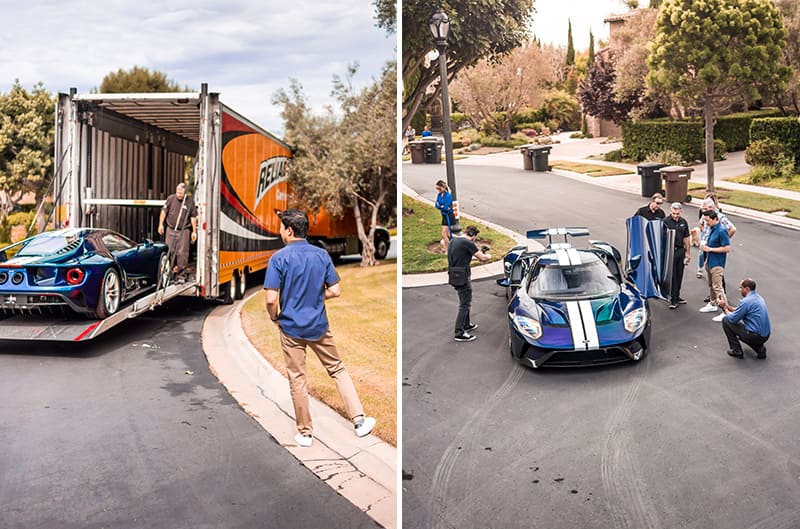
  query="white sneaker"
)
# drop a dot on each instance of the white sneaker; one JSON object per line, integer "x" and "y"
{"x": 718, "y": 317}
{"x": 699, "y": 273}
{"x": 364, "y": 426}
{"x": 303, "y": 440}
{"x": 709, "y": 308}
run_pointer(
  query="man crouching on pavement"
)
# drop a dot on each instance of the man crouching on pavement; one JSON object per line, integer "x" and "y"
{"x": 748, "y": 322}
{"x": 300, "y": 277}
{"x": 459, "y": 255}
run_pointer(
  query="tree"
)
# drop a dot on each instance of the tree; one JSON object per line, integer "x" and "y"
{"x": 493, "y": 93}
{"x": 790, "y": 12}
{"x": 27, "y": 128}
{"x": 386, "y": 15}
{"x": 570, "y": 45}
{"x": 714, "y": 52}
{"x": 345, "y": 159}
{"x": 597, "y": 95}
{"x": 562, "y": 107}
{"x": 489, "y": 31}
{"x": 139, "y": 79}
{"x": 590, "y": 59}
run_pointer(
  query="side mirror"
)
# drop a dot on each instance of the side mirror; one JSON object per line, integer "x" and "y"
{"x": 147, "y": 243}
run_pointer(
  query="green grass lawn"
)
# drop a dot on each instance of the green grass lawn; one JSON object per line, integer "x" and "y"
{"x": 749, "y": 200}
{"x": 588, "y": 169}
{"x": 789, "y": 185}
{"x": 364, "y": 324}
{"x": 422, "y": 227}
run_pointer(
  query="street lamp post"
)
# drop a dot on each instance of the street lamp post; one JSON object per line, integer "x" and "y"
{"x": 440, "y": 26}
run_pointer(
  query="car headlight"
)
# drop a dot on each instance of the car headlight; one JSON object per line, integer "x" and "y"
{"x": 635, "y": 319}
{"x": 528, "y": 326}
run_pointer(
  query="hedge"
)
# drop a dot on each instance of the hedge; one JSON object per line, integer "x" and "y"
{"x": 785, "y": 131}
{"x": 687, "y": 136}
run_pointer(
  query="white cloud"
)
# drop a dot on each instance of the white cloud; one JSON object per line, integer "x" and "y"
{"x": 243, "y": 49}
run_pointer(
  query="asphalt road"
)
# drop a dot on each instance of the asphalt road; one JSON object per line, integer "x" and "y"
{"x": 689, "y": 437}
{"x": 133, "y": 430}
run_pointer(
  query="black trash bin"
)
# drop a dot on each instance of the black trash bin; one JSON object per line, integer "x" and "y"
{"x": 651, "y": 178}
{"x": 417, "y": 149}
{"x": 433, "y": 151}
{"x": 540, "y": 155}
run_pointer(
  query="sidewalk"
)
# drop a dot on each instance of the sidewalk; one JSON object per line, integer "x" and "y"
{"x": 630, "y": 182}
{"x": 363, "y": 470}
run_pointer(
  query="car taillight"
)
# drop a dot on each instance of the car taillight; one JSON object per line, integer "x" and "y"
{"x": 3, "y": 277}
{"x": 74, "y": 276}
{"x": 17, "y": 278}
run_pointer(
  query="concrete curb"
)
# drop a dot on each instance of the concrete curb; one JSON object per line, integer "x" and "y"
{"x": 363, "y": 470}
{"x": 478, "y": 272}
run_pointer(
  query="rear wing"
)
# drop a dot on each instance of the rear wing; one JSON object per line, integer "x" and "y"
{"x": 549, "y": 233}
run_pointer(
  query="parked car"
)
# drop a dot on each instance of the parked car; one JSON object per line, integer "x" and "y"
{"x": 86, "y": 270}
{"x": 573, "y": 306}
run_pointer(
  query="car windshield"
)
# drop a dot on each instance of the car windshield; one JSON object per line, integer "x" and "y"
{"x": 583, "y": 281}
{"x": 45, "y": 245}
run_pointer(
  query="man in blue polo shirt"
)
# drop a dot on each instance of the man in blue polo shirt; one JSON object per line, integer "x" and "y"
{"x": 716, "y": 247}
{"x": 748, "y": 322}
{"x": 300, "y": 277}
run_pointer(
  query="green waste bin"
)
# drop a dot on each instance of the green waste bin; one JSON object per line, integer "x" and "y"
{"x": 540, "y": 155}
{"x": 650, "y": 177}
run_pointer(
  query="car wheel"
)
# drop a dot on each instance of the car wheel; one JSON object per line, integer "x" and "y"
{"x": 162, "y": 279}
{"x": 240, "y": 285}
{"x": 110, "y": 294}
{"x": 381, "y": 248}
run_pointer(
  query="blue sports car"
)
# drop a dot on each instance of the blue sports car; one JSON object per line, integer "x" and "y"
{"x": 571, "y": 306}
{"x": 90, "y": 271}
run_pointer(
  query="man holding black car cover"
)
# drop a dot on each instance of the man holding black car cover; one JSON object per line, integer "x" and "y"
{"x": 459, "y": 255}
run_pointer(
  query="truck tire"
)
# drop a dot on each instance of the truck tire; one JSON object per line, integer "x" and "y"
{"x": 381, "y": 246}
{"x": 240, "y": 285}
{"x": 110, "y": 295}
{"x": 225, "y": 293}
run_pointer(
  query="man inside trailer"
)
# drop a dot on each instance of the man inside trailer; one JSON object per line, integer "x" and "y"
{"x": 180, "y": 214}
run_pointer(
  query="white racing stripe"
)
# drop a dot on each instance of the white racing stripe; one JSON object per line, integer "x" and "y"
{"x": 576, "y": 326}
{"x": 563, "y": 257}
{"x": 574, "y": 256}
{"x": 589, "y": 325}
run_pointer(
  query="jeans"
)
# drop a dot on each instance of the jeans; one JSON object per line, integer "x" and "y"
{"x": 464, "y": 304}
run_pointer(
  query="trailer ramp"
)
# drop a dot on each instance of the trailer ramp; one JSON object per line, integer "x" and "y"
{"x": 74, "y": 328}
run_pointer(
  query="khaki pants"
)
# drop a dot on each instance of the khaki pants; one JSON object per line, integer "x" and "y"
{"x": 294, "y": 352}
{"x": 178, "y": 243}
{"x": 715, "y": 288}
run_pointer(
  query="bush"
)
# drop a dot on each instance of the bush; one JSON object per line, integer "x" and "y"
{"x": 526, "y": 116}
{"x": 763, "y": 152}
{"x": 720, "y": 150}
{"x": 785, "y": 131}
{"x": 5, "y": 232}
{"x": 495, "y": 141}
{"x": 734, "y": 129}
{"x": 458, "y": 120}
{"x": 577, "y": 135}
{"x": 613, "y": 156}
{"x": 762, "y": 173}
{"x": 668, "y": 157}
{"x": 641, "y": 138}
{"x": 534, "y": 125}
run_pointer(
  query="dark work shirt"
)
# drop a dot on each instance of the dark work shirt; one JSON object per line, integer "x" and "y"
{"x": 460, "y": 252}
{"x": 681, "y": 228}
{"x": 645, "y": 212}
{"x": 173, "y": 206}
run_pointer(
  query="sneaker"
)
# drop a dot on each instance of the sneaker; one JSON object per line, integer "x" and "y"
{"x": 699, "y": 273}
{"x": 471, "y": 327}
{"x": 709, "y": 308}
{"x": 303, "y": 440}
{"x": 735, "y": 354}
{"x": 364, "y": 425}
{"x": 673, "y": 305}
{"x": 683, "y": 301}
{"x": 707, "y": 299}
{"x": 761, "y": 353}
{"x": 464, "y": 337}
{"x": 718, "y": 317}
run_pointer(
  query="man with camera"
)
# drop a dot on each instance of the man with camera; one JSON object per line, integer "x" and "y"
{"x": 459, "y": 255}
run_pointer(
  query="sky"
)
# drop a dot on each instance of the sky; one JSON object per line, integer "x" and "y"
{"x": 245, "y": 50}
{"x": 550, "y": 21}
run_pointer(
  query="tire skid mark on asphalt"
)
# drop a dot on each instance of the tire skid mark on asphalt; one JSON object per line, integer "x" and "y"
{"x": 465, "y": 436}
{"x": 754, "y": 437}
{"x": 629, "y": 508}
{"x": 784, "y": 519}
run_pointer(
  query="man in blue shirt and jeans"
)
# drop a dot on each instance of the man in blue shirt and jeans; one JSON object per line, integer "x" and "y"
{"x": 748, "y": 322}
{"x": 300, "y": 277}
